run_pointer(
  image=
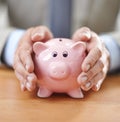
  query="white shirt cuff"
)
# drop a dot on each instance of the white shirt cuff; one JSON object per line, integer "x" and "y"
{"x": 11, "y": 46}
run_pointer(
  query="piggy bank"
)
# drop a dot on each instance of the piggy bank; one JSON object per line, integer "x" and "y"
{"x": 57, "y": 66}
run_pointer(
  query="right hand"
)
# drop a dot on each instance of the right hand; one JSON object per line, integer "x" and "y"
{"x": 23, "y": 63}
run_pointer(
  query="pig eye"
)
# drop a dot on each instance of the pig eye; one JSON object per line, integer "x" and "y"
{"x": 54, "y": 54}
{"x": 65, "y": 54}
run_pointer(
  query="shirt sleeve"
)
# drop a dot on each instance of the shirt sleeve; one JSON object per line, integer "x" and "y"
{"x": 11, "y": 45}
{"x": 114, "y": 50}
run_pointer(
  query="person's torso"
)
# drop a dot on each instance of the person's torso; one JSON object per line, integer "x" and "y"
{"x": 99, "y": 15}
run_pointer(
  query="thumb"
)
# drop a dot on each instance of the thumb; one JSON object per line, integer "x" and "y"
{"x": 82, "y": 34}
{"x": 41, "y": 33}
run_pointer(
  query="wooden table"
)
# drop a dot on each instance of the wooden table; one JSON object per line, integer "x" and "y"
{"x": 17, "y": 106}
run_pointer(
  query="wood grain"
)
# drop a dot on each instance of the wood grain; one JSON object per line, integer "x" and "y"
{"x": 15, "y": 105}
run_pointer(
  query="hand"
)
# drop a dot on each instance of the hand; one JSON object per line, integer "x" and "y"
{"x": 96, "y": 64}
{"x": 23, "y": 63}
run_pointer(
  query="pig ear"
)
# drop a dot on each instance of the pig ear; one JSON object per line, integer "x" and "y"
{"x": 38, "y": 47}
{"x": 79, "y": 46}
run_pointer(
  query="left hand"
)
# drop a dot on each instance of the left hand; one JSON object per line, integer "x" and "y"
{"x": 96, "y": 64}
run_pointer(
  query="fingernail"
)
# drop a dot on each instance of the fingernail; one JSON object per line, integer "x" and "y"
{"x": 28, "y": 86}
{"x": 87, "y": 85}
{"x": 87, "y": 34}
{"x": 31, "y": 83}
{"x": 30, "y": 78}
{"x": 27, "y": 67}
{"x": 40, "y": 34}
{"x": 82, "y": 79}
{"x": 22, "y": 87}
{"x": 87, "y": 67}
{"x": 97, "y": 87}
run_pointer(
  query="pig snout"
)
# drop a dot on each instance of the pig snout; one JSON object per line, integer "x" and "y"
{"x": 58, "y": 70}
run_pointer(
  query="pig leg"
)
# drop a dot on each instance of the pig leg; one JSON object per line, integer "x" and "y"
{"x": 44, "y": 92}
{"x": 77, "y": 93}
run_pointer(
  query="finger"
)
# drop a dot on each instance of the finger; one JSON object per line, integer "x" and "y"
{"x": 27, "y": 80}
{"x": 98, "y": 81}
{"x": 41, "y": 33}
{"x": 87, "y": 86}
{"x": 19, "y": 69}
{"x": 24, "y": 51}
{"x": 94, "y": 83}
{"x": 91, "y": 59}
{"x": 26, "y": 59}
{"x": 82, "y": 34}
{"x": 18, "y": 75}
{"x": 84, "y": 77}
{"x": 22, "y": 81}
{"x": 31, "y": 82}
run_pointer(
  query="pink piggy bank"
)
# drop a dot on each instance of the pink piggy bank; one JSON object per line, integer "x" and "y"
{"x": 57, "y": 66}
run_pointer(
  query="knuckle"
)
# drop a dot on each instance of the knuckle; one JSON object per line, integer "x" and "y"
{"x": 94, "y": 55}
{"x": 91, "y": 60}
{"x": 19, "y": 77}
{"x": 25, "y": 54}
{"x": 101, "y": 74}
{"x": 98, "y": 52}
{"x": 90, "y": 74}
{"x": 100, "y": 64}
